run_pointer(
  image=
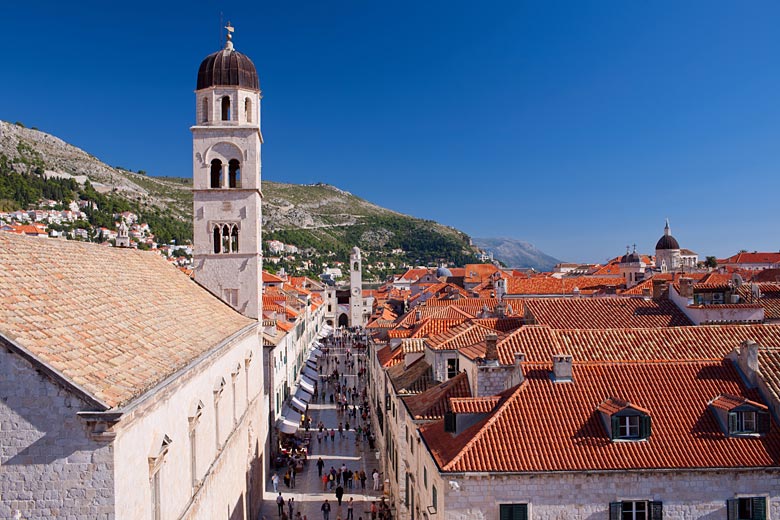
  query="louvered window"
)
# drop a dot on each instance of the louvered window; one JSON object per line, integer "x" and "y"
{"x": 750, "y": 508}
{"x": 513, "y": 512}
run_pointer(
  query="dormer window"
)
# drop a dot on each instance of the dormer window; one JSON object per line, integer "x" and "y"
{"x": 739, "y": 416}
{"x": 624, "y": 421}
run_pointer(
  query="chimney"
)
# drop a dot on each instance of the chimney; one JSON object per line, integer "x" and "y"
{"x": 519, "y": 376}
{"x": 491, "y": 351}
{"x": 562, "y": 368}
{"x": 417, "y": 315}
{"x": 748, "y": 360}
{"x": 659, "y": 289}
{"x": 686, "y": 287}
{"x": 646, "y": 293}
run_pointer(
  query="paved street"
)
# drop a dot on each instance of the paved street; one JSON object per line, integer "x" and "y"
{"x": 308, "y": 492}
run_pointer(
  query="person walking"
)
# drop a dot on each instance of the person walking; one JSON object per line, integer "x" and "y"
{"x": 332, "y": 435}
{"x": 362, "y": 480}
{"x": 376, "y": 480}
{"x": 292, "y": 478}
{"x": 350, "y": 508}
{"x": 339, "y": 494}
{"x": 287, "y": 478}
{"x": 325, "y": 482}
{"x": 275, "y": 482}
{"x": 325, "y": 510}
{"x": 320, "y": 465}
{"x": 291, "y": 506}
{"x": 280, "y": 503}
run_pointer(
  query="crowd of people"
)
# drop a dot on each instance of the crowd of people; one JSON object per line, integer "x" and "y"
{"x": 344, "y": 384}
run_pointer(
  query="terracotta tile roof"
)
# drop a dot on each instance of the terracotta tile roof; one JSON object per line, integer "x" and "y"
{"x": 614, "y": 405}
{"x": 474, "y": 404}
{"x": 434, "y": 402}
{"x": 501, "y": 324}
{"x": 752, "y": 258}
{"x": 412, "y": 275}
{"x": 271, "y": 278}
{"x": 478, "y": 273}
{"x": 604, "y": 313}
{"x": 769, "y": 366}
{"x": 728, "y": 402}
{"x": 704, "y": 342}
{"x": 638, "y": 289}
{"x": 284, "y": 325}
{"x": 565, "y": 285}
{"x": 412, "y": 379}
{"x": 388, "y": 357}
{"x": 611, "y": 269}
{"x": 413, "y": 345}
{"x": 462, "y": 335}
{"x": 769, "y": 298}
{"x": 114, "y": 321}
{"x": 546, "y": 426}
{"x": 432, "y": 326}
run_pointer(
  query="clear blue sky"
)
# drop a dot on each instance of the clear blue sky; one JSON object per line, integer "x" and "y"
{"x": 578, "y": 126}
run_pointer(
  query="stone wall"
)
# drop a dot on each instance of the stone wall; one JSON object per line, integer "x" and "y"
{"x": 685, "y": 494}
{"x": 49, "y": 467}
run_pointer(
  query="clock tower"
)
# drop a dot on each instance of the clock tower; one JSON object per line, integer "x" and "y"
{"x": 355, "y": 289}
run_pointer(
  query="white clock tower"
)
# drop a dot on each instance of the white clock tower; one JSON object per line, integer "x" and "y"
{"x": 226, "y": 142}
{"x": 355, "y": 289}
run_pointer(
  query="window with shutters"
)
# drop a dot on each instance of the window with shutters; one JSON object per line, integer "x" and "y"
{"x": 745, "y": 422}
{"x": 513, "y": 512}
{"x": 434, "y": 498}
{"x": 739, "y": 416}
{"x": 636, "y": 510}
{"x": 630, "y": 427}
{"x": 747, "y": 508}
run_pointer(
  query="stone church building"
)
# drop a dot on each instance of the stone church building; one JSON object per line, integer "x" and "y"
{"x": 128, "y": 390}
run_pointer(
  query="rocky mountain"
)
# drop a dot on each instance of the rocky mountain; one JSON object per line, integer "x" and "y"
{"x": 319, "y": 218}
{"x": 516, "y": 253}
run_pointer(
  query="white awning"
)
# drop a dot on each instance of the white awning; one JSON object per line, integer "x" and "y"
{"x": 291, "y": 415}
{"x": 286, "y": 426}
{"x": 303, "y": 395}
{"x": 307, "y": 385}
{"x": 313, "y": 361}
{"x": 310, "y": 372}
{"x": 297, "y": 403}
{"x": 316, "y": 352}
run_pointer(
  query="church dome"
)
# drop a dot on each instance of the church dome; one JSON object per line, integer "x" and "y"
{"x": 443, "y": 271}
{"x": 667, "y": 242}
{"x": 227, "y": 67}
{"x": 630, "y": 258}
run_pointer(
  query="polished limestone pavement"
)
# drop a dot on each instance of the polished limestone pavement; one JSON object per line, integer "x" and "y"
{"x": 308, "y": 492}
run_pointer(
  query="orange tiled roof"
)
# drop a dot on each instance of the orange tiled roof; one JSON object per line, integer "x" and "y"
{"x": 271, "y": 278}
{"x": 541, "y": 425}
{"x": 457, "y": 337}
{"x": 728, "y": 402}
{"x": 434, "y": 402}
{"x": 387, "y": 357}
{"x": 565, "y": 285}
{"x": 752, "y": 258}
{"x": 604, "y": 313}
{"x": 116, "y": 334}
{"x": 769, "y": 365}
{"x": 477, "y": 273}
{"x": 704, "y": 342}
{"x": 501, "y": 324}
{"x": 474, "y": 404}
{"x": 411, "y": 379}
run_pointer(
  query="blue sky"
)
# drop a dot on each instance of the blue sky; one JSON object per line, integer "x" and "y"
{"x": 577, "y": 126}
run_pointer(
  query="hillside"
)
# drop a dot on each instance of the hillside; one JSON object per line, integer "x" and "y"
{"x": 516, "y": 253}
{"x": 321, "y": 218}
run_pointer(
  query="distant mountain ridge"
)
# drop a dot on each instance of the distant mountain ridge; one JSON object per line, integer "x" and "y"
{"x": 316, "y": 217}
{"x": 516, "y": 253}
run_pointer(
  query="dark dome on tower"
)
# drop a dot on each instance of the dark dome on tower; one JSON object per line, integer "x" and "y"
{"x": 228, "y": 67}
{"x": 667, "y": 242}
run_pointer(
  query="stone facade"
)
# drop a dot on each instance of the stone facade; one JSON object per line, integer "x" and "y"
{"x": 684, "y": 494}
{"x": 49, "y": 465}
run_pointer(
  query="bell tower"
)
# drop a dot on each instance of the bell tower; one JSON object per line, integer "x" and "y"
{"x": 355, "y": 289}
{"x": 227, "y": 214}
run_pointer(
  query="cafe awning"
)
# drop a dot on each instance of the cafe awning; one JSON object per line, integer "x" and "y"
{"x": 302, "y": 395}
{"x": 298, "y": 404}
{"x": 310, "y": 373}
{"x": 307, "y": 385}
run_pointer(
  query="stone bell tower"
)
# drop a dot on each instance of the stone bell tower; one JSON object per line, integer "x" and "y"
{"x": 355, "y": 289}
{"x": 226, "y": 142}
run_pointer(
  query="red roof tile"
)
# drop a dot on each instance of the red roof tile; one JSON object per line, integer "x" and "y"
{"x": 546, "y": 426}
{"x": 604, "y": 313}
{"x": 434, "y": 402}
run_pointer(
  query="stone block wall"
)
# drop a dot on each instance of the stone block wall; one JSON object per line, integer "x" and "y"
{"x": 49, "y": 467}
{"x": 685, "y": 494}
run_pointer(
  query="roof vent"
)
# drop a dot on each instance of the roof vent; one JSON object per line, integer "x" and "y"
{"x": 491, "y": 349}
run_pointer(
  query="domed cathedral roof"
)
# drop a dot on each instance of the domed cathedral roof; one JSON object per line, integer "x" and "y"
{"x": 228, "y": 67}
{"x": 667, "y": 241}
{"x": 630, "y": 257}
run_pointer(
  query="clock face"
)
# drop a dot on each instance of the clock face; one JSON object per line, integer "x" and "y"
{"x": 355, "y": 290}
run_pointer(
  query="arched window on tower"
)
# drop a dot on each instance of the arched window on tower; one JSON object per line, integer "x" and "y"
{"x": 226, "y": 108}
{"x": 216, "y": 173}
{"x": 217, "y": 233}
{"x": 234, "y": 240}
{"x": 205, "y": 117}
{"x": 248, "y": 110}
{"x": 234, "y": 173}
{"x": 225, "y": 238}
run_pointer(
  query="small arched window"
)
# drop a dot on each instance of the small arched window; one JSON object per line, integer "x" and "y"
{"x": 234, "y": 240}
{"x": 225, "y": 238}
{"x": 216, "y": 173}
{"x": 248, "y": 110}
{"x": 234, "y": 173}
{"x": 205, "y": 117}
{"x": 226, "y": 108}
{"x": 217, "y": 240}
